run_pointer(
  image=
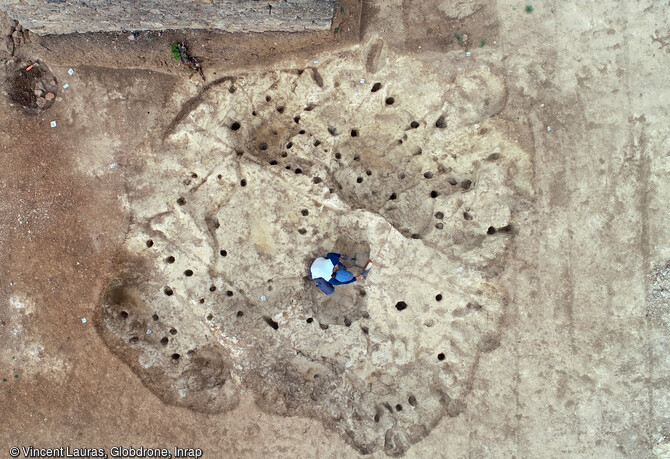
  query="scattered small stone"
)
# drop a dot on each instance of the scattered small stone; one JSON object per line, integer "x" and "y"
{"x": 42, "y": 102}
{"x": 49, "y": 96}
{"x": 38, "y": 92}
{"x": 131, "y": 37}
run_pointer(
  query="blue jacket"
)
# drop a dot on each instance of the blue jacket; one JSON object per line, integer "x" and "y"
{"x": 335, "y": 259}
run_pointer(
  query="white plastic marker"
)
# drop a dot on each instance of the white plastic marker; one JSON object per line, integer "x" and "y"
{"x": 362, "y": 80}
{"x": 83, "y": 321}
{"x": 53, "y": 124}
{"x": 71, "y": 72}
{"x": 65, "y": 86}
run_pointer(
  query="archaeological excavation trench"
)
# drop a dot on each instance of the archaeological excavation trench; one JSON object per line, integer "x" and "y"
{"x": 260, "y": 173}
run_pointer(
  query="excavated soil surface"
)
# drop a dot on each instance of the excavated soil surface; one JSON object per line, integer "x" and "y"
{"x": 259, "y": 174}
{"x": 504, "y": 169}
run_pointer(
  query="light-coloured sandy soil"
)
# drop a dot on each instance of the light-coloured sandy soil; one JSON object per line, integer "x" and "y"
{"x": 548, "y": 149}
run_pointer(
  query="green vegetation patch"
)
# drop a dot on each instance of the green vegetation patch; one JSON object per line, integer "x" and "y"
{"x": 175, "y": 53}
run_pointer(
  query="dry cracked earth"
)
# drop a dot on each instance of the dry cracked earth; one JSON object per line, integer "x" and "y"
{"x": 506, "y": 171}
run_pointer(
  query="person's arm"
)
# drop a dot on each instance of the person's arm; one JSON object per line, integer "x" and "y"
{"x": 334, "y": 257}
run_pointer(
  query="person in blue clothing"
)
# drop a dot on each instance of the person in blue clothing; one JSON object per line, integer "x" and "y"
{"x": 329, "y": 271}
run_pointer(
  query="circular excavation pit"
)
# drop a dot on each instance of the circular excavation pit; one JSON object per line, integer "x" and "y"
{"x": 32, "y": 86}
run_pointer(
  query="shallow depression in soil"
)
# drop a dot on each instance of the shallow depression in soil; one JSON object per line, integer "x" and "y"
{"x": 250, "y": 185}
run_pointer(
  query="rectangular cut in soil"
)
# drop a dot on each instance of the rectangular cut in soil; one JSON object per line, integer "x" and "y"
{"x": 68, "y": 16}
